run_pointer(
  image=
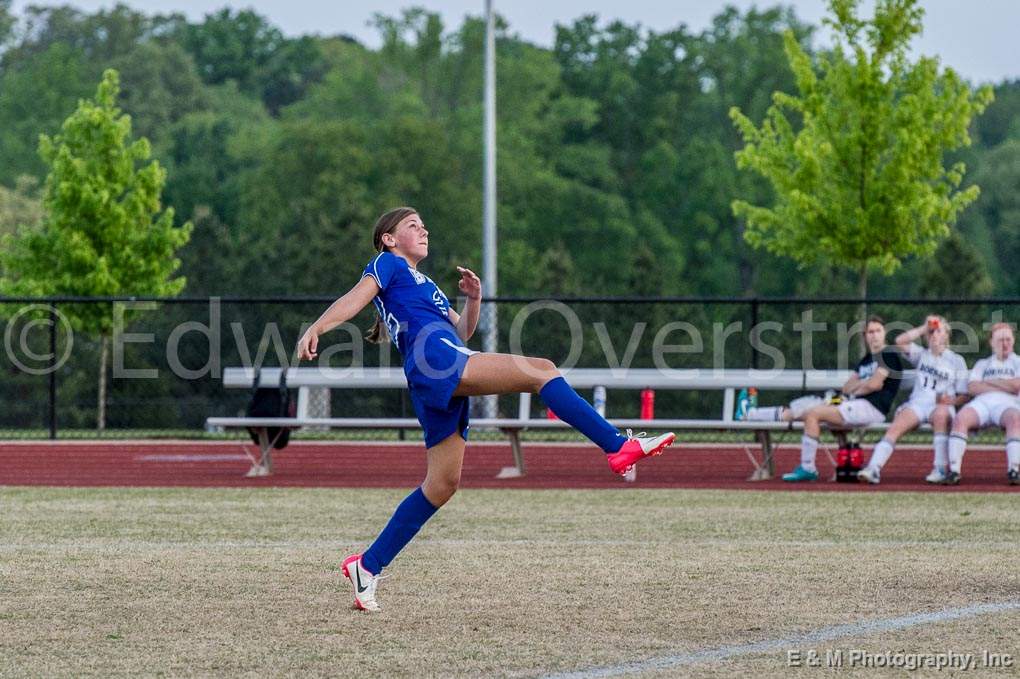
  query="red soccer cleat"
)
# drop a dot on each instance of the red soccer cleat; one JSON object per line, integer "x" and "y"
{"x": 636, "y": 448}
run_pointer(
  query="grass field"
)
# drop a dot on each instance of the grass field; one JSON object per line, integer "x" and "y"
{"x": 118, "y": 582}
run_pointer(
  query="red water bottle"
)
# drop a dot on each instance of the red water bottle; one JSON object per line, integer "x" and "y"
{"x": 856, "y": 456}
{"x": 647, "y": 404}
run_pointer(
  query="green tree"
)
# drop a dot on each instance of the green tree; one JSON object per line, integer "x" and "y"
{"x": 672, "y": 157}
{"x": 993, "y": 225}
{"x": 100, "y": 37}
{"x": 1002, "y": 119}
{"x": 244, "y": 47}
{"x": 35, "y": 97}
{"x": 20, "y": 208}
{"x": 856, "y": 158}
{"x": 956, "y": 270}
{"x": 205, "y": 175}
{"x": 159, "y": 86}
{"x": 739, "y": 61}
{"x": 7, "y": 23}
{"x": 104, "y": 230}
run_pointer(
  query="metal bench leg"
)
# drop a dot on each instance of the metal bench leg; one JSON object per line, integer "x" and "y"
{"x": 264, "y": 467}
{"x": 517, "y": 471}
{"x": 828, "y": 454}
{"x": 767, "y": 469}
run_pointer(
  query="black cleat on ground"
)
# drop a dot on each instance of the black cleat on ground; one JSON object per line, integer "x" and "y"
{"x": 952, "y": 479}
{"x": 1014, "y": 477}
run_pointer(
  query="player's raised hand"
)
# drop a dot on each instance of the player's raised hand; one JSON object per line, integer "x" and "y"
{"x": 308, "y": 345}
{"x": 469, "y": 284}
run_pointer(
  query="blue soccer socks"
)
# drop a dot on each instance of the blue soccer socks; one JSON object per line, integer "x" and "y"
{"x": 579, "y": 414}
{"x": 407, "y": 520}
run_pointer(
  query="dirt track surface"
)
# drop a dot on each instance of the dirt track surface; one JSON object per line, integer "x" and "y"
{"x": 385, "y": 465}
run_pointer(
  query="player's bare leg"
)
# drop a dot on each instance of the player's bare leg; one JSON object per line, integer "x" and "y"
{"x": 813, "y": 421}
{"x": 487, "y": 373}
{"x": 941, "y": 421}
{"x": 445, "y": 461}
{"x": 955, "y": 444}
{"x": 905, "y": 420}
{"x": 965, "y": 421}
{"x": 1011, "y": 423}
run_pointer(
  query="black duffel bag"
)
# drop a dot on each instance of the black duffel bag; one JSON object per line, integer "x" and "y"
{"x": 271, "y": 402}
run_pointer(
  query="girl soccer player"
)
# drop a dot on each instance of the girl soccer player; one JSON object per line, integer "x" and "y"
{"x": 441, "y": 373}
{"x": 940, "y": 385}
{"x": 994, "y": 383}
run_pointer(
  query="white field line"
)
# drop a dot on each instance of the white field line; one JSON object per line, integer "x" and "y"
{"x": 864, "y": 627}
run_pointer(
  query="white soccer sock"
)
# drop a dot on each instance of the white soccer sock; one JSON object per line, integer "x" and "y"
{"x": 881, "y": 454}
{"x": 957, "y": 447}
{"x": 808, "y": 450}
{"x": 1013, "y": 453}
{"x": 941, "y": 445}
{"x": 771, "y": 414}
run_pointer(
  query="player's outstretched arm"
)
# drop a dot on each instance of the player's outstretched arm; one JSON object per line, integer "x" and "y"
{"x": 344, "y": 309}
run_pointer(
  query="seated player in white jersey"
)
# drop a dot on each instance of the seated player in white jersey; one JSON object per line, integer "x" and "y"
{"x": 994, "y": 383}
{"x": 940, "y": 384}
{"x": 865, "y": 399}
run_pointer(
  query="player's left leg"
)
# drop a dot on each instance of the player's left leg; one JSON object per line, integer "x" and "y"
{"x": 486, "y": 373}
{"x": 1011, "y": 423}
{"x": 941, "y": 420}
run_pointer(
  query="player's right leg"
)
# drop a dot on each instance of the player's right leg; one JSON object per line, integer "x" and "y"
{"x": 1011, "y": 423}
{"x": 906, "y": 420}
{"x": 967, "y": 419}
{"x": 490, "y": 373}
{"x": 813, "y": 420}
{"x": 442, "y": 479}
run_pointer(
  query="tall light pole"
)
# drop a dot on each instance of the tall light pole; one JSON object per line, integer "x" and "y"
{"x": 489, "y": 196}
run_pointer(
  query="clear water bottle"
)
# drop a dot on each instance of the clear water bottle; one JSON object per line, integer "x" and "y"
{"x": 599, "y": 400}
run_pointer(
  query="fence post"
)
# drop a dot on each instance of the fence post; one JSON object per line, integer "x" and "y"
{"x": 53, "y": 371}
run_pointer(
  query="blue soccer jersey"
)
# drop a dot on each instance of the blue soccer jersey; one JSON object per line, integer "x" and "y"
{"x": 408, "y": 302}
{"x": 417, "y": 315}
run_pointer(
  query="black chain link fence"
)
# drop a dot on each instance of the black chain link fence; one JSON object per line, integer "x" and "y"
{"x": 165, "y": 358}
